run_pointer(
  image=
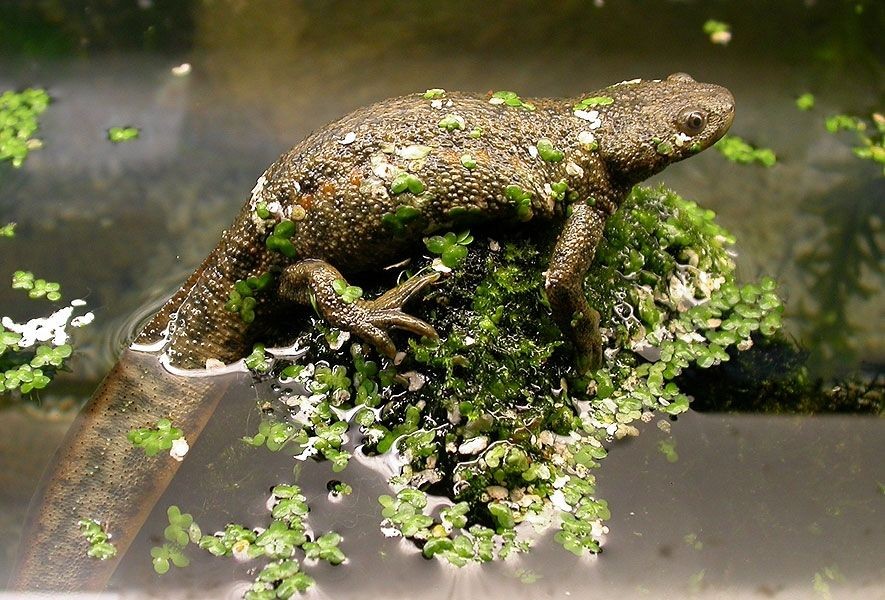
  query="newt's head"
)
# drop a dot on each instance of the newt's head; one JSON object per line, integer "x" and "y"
{"x": 643, "y": 126}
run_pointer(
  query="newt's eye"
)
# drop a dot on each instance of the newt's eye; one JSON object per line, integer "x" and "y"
{"x": 692, "y": 121}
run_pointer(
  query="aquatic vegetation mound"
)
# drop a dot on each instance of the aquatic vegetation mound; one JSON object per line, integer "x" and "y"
{"x": 494, "y": 419}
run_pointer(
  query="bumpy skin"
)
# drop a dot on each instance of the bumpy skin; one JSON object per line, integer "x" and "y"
{"x": 341, "y": 189}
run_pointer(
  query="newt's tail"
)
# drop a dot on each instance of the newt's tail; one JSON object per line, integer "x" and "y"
{"x": 98, "y": 473}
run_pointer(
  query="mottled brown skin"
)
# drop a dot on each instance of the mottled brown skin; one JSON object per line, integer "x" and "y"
{"x": 336, "y": 189}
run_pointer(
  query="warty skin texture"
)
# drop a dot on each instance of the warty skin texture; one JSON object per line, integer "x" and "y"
{"x": 339, "y": 187}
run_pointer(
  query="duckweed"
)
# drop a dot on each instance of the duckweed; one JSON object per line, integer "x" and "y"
{"x": 100, "y": 546}
{"x": 522, "y": 199}
{"x": 123, "y": 134}
{"x": 18, "y": 123}
{"x": 719, "y": 32}
{"x": 740, "y": 151}
{"x": 805, "y": 101}
{"x": 280, "y": 239}
{"x": 37, "y": 288}
{"x": 593, "y": 101}
{"x": 348, "y": 293}
{"x": 279, "y": 542}
{"x": 407, "y": 182}
{"x": 8, "y": 230}
{"x": 512, "y": 99}
{"x": 434, "y": 94}
{"x": 451, "y": 247}
{"x": 451, "y": 123}
{"x": 257, "y": 361}
{"x": 548, "y": 152}
{"x": 156, "y": 439}
{"x": 495, "y": 415}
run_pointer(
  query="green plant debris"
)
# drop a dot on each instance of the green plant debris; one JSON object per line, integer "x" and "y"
{"x": 37, "y": 288}
{"x": 805, "y": 101}
{"x": 340, "y": 488}
{"x": 8, "y": 230}
{"x": 740, "y": 151}
{"x": 434, "y": 94}
{"x": 451, "y": 247}
{"x": 123, "y": 134}
{"x": 100, "y": 546}
{"x": 719, "y": 32}
{"x": 18, "y": 123}
{"x": 870, "y": 135}
{"x": 156, "y": 439}
{"x": 508, "y": 98}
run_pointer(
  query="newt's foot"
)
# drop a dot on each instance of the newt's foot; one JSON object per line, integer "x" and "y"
{"x": 341, "y": 305}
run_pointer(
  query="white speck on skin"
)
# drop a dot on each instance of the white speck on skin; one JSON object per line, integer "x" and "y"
{"x": 413, "y": 152}
{"x": 586, "y": 139}
{"x": 591, "y": 116}
{"x": 179, "y": 449}
{"x": 533, "y": 151}
{"x": 629, "y": 81}
{"x": 437, "y": 103}
{"x": 574, "y": 169}
{"x": 349, "y": 138}
{"x": 214, "y": 363}
{"x": 681, "y": 138}
{"x": 496, "y": 101}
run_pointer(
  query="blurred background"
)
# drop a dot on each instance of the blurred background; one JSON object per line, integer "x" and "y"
{"x": 122, "y": 225}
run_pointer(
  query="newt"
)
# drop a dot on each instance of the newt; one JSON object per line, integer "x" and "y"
{"x": 357, "y": 195}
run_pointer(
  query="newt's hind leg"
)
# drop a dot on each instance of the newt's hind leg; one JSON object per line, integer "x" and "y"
{"x": 369, "y": 319}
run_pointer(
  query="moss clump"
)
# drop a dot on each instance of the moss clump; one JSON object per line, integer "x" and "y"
{"x": 495, "y": 415}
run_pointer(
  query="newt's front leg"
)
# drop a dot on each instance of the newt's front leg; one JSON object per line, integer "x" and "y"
{"x": 564, "y": 283}
{"x": 369, "y": 319}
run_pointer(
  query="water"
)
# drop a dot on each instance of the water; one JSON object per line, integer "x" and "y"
{"x": 122, "y": 225}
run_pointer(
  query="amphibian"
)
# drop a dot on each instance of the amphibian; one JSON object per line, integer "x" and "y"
{"x": 357, "y": 195}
